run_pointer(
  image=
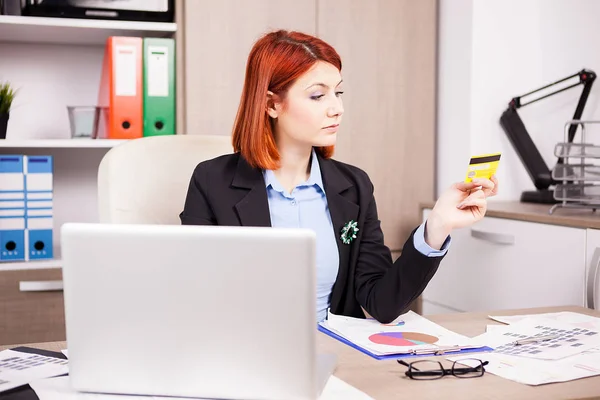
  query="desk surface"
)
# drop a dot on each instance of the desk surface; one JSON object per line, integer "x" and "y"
{"x": 572, "y": 217}
{"x": 386, "y": 380}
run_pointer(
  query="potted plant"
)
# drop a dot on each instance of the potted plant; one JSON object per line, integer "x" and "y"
{"x": 7, "y": 95}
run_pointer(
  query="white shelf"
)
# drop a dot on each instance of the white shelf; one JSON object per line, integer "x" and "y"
{"x": 35, "y": 264}
{"x": 15, "y": 28}
{"x": 22, "y": 265}
{"x": 61, "y": 143}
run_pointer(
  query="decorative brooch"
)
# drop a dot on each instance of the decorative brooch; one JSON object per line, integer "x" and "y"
{"x": 349, "y": 232}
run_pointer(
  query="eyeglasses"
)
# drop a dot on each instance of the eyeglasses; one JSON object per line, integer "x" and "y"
{"x": 428, "y": 369}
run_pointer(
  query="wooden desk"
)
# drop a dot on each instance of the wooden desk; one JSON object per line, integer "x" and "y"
{"x": 386, "y": 380}
{"x": 539, "y": 213}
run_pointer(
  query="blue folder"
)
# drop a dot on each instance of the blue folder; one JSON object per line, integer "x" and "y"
{"x": 12, "y": 205}
{"x": 396, "y": 356}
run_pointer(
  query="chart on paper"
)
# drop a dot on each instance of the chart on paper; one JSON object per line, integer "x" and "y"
{"x": 573, "y": 353}
{"x": 402, "y": 338}
{"x": 568, "y": 342}
{"x": 25, "y": 362}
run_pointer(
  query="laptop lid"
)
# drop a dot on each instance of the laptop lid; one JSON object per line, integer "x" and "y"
{"x": 199, "y": 311}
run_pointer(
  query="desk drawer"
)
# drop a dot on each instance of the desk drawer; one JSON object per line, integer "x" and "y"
{"x": 31, "y": 306}
{"x": 504, "y": 264}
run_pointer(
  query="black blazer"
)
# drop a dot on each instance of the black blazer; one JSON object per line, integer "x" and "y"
{"x": 228, "y": 191}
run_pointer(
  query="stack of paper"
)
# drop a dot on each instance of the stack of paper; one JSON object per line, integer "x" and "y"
{"x": 18, "y": 369}
{"x": 580, "y": 320}
{"x": 562, "y": 341}
{"x": 572, "y": 353}
{"x": 410, "y": 334}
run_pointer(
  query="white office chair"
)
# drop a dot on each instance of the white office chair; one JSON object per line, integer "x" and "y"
{"x": 145, "y": 181}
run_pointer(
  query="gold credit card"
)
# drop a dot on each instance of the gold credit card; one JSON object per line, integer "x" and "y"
{"x": 482, "y": 166}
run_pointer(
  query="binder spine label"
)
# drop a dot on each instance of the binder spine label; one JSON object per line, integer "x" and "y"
{"x": 157, "y": 79}
{"x": 125, "y": 72}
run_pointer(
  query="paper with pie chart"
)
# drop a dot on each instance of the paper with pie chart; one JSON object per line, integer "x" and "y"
{"x": 402, "y": 338}
{"x": 406, "y": 334}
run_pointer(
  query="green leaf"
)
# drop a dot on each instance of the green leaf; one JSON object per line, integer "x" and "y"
{"x": 7, "y": 95}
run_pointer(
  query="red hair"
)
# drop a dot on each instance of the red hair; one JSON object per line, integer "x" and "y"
{"x": 276, "y": 60}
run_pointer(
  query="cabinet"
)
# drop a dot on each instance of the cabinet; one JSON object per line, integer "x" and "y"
{"x": 219, "y": 36}
{"x": 388, "y": 51}
{"x": 592, "y": 272}
{"x": 503, "y": 263}
{"x": 31, "y": 306}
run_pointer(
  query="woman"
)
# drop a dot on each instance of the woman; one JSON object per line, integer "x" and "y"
{"x": 282, "y": 175}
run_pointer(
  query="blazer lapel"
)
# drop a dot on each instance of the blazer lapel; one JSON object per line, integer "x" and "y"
{"x": 342, "y": 210}
{"x": 253, "y": 208}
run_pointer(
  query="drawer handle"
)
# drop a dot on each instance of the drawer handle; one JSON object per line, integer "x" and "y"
{"x": 593, "y": 282}
{"x": 40, "y": 286}
{"x": 498, "y": 238}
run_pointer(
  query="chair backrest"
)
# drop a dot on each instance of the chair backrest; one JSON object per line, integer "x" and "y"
{"x": 145, "y": 181}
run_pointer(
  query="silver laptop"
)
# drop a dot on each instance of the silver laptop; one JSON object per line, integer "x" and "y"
{"x": 197, "y": 311}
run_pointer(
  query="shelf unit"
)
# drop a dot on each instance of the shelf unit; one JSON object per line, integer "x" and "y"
{"x": 21, "y": 29}
{"x": 42, "y": 264}
{"x": 56, "y": 62}
{"x": 75, "y": 184}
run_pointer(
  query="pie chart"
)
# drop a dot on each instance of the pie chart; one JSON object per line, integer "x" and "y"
{"x": 402, "y": 338}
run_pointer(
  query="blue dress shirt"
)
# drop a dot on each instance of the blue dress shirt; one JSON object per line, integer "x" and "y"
{"x": 306, "y": 207}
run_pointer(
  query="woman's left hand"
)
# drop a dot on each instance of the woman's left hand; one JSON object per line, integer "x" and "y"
{"x": 459, "y": 206}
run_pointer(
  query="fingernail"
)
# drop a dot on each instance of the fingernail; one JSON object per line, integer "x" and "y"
{"x": 461, "y": 205}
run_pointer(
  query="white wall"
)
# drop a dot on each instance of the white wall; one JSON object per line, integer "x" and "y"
{"x": 493, "y": 50}
{"x": 454, "y": 91}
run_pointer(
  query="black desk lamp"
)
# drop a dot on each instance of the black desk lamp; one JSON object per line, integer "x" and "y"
{"x": 521, "y": 141}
